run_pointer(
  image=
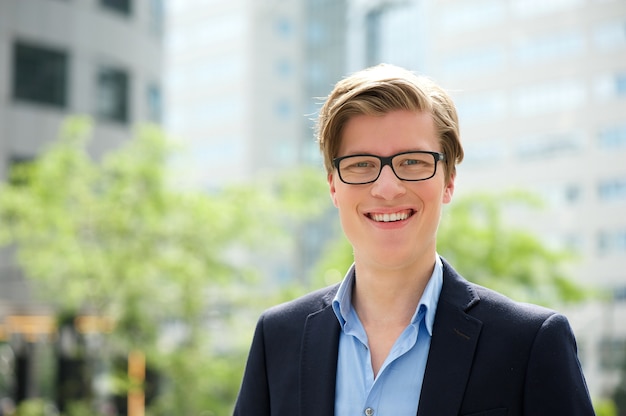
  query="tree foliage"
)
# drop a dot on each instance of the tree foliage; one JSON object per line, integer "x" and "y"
{"x": 114, "y": 238}
{"x": 477, "y": 238}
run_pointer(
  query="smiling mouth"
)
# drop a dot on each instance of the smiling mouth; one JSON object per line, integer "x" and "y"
{"x": 392, "y": 217}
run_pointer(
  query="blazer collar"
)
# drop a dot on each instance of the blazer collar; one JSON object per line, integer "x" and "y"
{"x": 318, "y": 364}
{"x": 455, "y": 336}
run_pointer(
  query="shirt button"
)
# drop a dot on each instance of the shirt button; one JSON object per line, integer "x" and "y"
{"x": 369, "y": 411}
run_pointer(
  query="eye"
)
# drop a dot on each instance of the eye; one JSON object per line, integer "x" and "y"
{"x": 412, "y": 162}
{"x": 359, "y": 163}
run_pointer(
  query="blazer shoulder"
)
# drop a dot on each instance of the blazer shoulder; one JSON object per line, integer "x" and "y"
{"x": 300, "y": 308}
{"x": 486, "y": 304}
{"x": 502, "y": 316}
{"x": 496, "y": 304}
{"x": 492, "y": 308}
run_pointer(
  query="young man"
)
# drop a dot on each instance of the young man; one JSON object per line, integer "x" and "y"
{"x": 404, "y": 333}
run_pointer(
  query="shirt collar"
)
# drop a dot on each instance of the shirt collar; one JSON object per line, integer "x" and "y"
{"x": 342, "y": 303}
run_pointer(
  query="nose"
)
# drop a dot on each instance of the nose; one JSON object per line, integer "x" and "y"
{"x": 388, "y": 186}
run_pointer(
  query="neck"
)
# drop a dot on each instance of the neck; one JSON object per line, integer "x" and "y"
{"x": 389, "y": 296}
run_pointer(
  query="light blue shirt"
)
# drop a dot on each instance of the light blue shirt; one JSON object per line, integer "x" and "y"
{"x": 396, "y": 390}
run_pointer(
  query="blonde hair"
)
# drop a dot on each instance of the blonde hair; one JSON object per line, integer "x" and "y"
{"x": 379, "y": 90}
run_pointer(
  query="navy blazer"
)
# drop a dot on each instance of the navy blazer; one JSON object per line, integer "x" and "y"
{"x": 489, "y": 356}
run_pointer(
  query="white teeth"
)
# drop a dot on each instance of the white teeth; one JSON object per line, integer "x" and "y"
{"x": 396, "y": 216}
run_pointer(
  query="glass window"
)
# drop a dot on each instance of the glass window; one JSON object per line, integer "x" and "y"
{"x": 553, "y": 46}
{"x": 284, "y": 153}
{"x": 613, "y": 137}
{"x": 155, "y": 103}
{"x": 485, "y": 153}
{"x": 481, "y": 106}
{"x": 194, "y": 115}
{"x": 218, "y": 31}
{"x": 609, "y": 35}
{"x": 548, "y": 146}
{"x": 487, "y": 59}
{"x": 120, "y": 6}
{"x": 402, "y": 21}
{"x": 316, "y": 35}
{"x": 559, "y": 195}
{"x": 113, "y": 94}
{"x": 284, "y": 68}
{"x": 284, "y": 27}
{"x": 619, "y": 294}
{"x": 208, "y": 73}
{"x": 283, "y": 109}
{"x": 549, "y": 97}
{"x": 610, "y": 242}
{"x": 316, "y": 73}
{"x": 609, "y": 86}
{"x": 620, "y": 84}
{"x": 372, "y": 36}
{"x": 40, "y": 75}
{"x": 612, "y": 189}
{"x": 573, "y": 193}
{"x": 527, "y": 8}
{"x": 157, "y": 16}
{"x": 461, "y": 16}
{"x": 15, "y": 163}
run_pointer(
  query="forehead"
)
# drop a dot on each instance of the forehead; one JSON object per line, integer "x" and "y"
{"x": 393, "y": 132}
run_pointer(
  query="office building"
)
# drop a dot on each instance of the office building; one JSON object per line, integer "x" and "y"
{"x": 101, "y": 58}
{"x": 241, "y": 80}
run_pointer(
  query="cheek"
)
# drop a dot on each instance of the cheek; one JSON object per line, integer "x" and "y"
{"x": 341, "y": 199}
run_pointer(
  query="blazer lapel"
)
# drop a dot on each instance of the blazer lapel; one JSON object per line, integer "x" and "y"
{"x": 318, "y": 366}
{"x": 455, "y": 335}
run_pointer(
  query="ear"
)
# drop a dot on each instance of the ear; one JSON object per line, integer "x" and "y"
{"x": 448, "y": 190}
{"x": 333, "y": 191}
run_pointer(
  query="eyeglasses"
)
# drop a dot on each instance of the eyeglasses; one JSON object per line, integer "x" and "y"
{"x": 407, "y": 166}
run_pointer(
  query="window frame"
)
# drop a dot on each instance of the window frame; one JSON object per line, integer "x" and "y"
{"x": 40, "y": 74}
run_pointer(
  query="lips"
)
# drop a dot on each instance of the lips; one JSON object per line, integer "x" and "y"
{"x": 390, "y": 216}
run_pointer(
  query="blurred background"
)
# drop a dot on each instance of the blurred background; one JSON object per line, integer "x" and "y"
{"x": 235, "y": 85}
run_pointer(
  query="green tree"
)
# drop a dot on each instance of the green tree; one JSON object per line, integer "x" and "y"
{"x": 114, "y": 238}
{"x": 476, "y": 237}
{"x": 619, "y": 394}
{"x": 605, "y": 408}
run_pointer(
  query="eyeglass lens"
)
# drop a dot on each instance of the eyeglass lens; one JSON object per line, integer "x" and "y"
{"x": 411, "y": 166}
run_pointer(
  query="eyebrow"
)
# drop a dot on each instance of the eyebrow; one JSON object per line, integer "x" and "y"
{"x": 395, "y": 153}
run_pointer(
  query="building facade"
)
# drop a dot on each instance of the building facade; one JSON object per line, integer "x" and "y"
{"x": 101, "y": 58}
{"x": 240, "y": 77}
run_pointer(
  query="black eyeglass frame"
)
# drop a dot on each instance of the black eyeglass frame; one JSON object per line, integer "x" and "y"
{"x": 386, "y": 161}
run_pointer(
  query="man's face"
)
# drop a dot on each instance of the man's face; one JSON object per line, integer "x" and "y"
{"x": 411, "y": 239}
